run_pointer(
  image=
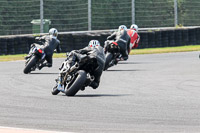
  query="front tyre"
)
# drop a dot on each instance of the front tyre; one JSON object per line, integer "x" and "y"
{"x": 55, "y": 90}
{"x": 78, "y": 83}
{"x": 30, "y": 64}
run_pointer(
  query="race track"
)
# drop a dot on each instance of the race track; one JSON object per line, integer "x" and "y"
{"x": 157, "y": 93}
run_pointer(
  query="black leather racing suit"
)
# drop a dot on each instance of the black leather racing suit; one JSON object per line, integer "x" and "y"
{"x": 50, "y": 44}
{"x": 98, "y": 53}
{"x": 123, "y": 40}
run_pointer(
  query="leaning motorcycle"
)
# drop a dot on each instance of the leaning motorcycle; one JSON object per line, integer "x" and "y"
{"x": 112, "y": 51}
{"x": 35, "y": 59}
{"x": 77, "y": 77}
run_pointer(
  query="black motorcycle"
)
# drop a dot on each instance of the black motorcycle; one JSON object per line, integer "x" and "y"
{"x": 35, "y": 58}
{"x": 112, "y": 51}
{"x": 77, "y": 77}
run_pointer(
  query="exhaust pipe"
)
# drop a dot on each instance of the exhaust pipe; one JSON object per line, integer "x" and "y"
{"x": 90, "y": 78}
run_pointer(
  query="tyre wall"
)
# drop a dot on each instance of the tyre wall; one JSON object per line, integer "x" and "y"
{"x": 20, "y": 44}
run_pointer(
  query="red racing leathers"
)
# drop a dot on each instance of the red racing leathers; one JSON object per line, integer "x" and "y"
{"x": 135, "y": 38}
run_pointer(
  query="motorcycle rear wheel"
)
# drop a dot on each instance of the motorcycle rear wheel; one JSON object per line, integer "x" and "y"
{"x": 109, "y": 57}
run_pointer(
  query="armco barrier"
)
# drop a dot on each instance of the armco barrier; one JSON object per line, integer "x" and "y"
{"x": 76, "y": 40}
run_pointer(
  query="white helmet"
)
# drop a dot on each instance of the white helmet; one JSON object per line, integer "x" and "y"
{"x": 53, "y": 32}
{"x": 122, "y": 27}
{"x": 134, "y": 27}
{"x": 94, "y": 43}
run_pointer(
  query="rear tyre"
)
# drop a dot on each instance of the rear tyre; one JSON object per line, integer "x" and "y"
{"x": 78, "y": 83}
{"x": 109, "y": 57}
{"x": 30, "y": 64}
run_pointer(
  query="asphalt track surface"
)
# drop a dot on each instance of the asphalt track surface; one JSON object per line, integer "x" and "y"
{"x": 157, "y": 93}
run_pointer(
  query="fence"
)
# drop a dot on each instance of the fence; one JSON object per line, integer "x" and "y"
{"x": 81, "y": 15}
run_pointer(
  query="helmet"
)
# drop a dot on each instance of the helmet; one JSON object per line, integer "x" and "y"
{"x": 122, "y": 27}
{"x": 134, "y": 27}
{"x": 53, "y": 32}
{"x": 94, "y": 43}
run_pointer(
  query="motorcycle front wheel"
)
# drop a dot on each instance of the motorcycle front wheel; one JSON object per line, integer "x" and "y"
{"x": 78, "y": 83}
{"x": 30, "y": 64}
{"x": 55, "y": 90}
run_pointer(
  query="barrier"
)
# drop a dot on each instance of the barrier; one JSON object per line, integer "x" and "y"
{"x": 76, "y": 40}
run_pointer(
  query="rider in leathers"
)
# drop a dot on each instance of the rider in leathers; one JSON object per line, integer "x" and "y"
{"x": 50, "y": 44}
{"x": 95, "y": 50}
{"x": 122, "y": 39}
{"x": 135, "y": 37}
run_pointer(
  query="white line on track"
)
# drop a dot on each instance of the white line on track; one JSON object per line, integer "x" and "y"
{"x": 24, "y": 130}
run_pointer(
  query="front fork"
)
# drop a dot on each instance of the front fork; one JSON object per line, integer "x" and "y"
{"x": 61, "y": 82}
{"x": 60, "y": 86}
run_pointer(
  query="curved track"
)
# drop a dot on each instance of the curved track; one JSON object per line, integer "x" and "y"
{"x": 148, "y": 93}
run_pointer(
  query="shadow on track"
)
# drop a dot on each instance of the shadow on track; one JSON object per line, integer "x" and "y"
{"x": 129, "y": 62}
{"x": 102, "y": 95}
{"x": 124, "y": 70}
{"x": 44, "y": 73}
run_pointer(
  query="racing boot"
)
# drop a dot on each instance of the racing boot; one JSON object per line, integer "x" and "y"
{"x": 44, "y": 65}
{"x": 94, "y": 85}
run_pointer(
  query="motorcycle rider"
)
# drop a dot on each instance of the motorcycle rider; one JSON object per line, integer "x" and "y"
{"x": 122, "y": 39}
{"x": 135, "y": 38}
{"x": 50, "y": 43}
{"x": 95, "y": 50}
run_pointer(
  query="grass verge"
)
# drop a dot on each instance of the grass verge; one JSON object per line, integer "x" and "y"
{"x": 133, "y": 52}
{"x": 21, "y": 57}
{"x": 166, "y": 50}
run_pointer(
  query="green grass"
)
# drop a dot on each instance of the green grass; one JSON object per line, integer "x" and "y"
{"x": 166, "y": 50}
{"x": 133, "y": 52}
{"x": 21, "y": 57}
{"x": 12, "y": 57}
